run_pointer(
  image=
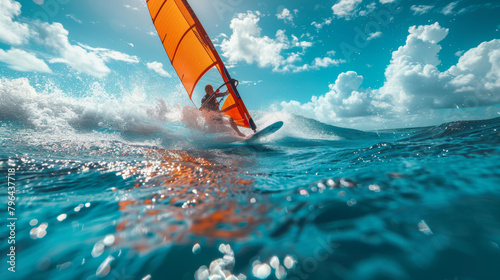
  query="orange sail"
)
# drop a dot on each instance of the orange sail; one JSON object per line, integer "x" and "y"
{"x": 192, "y": 53}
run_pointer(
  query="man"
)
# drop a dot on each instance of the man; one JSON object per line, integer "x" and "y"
{"x": 209, "y": 103}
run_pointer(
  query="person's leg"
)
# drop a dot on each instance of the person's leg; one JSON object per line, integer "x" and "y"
{"x": 235, "y": 127}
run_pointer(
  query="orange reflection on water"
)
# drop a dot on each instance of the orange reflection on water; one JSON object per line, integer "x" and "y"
{"x": 190, "y": 197}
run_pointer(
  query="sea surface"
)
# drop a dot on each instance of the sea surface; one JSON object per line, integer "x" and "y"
{"x": 117, "y": 190}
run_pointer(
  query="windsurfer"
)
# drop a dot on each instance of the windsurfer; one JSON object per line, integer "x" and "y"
{"x": 209, "y": 103}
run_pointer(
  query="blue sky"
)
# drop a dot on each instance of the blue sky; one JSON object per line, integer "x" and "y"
{"x": 355, "y": 63}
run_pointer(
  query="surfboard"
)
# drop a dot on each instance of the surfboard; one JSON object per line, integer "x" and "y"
{"x": 264, "y": 132}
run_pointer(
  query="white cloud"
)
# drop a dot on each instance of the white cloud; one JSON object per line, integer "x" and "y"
{"x": 369, "y": 9}
{"x": 158, "y": 68}
{"x": 345, "y": 99}
{"x": 286, "y": 16}
{"x": 131, "y": 8}
{"x": 346, "y": 8}
{"x": 12, "y": 32}
{"x": 374, "y": 35}
{"x": 475, "y": 7}
{"x": 74, "y": 18}
{"x": 247, "y": 44}
{"x": 318, "y": 63}
{"x": 107, "y": 55}
{"x": 326, "y": 21}
{"x": 480, "y": 65}
{"x": 413, "y": 82}
{"x": 23, "y": 61}
{"x": 55, "y": 37}
{"x": 421, "y": 9}
{"x": 451, "y": 8}
{"x": 448, "y": 9}
{"x": 422, "y": 44}
{"x": 386, "y": 1}
{"x": 413, "y": 67}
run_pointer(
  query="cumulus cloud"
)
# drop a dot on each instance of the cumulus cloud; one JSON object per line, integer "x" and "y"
{"x": 286, "y": 15}
{"x": 281, "y": 53}
{"x": 23, "y": 61}
{"x": 158, "y": 68}
{"x": 421, "y": 9}
{"x": 55, "y": 37}
{"x": 345, "y": 99}
{"x": 247, "y": 44}
{"x": 12, "y": 32}
{"x": 386, "y": 1}
{"x": 413, "y": 83}
{"x": 346, "y": 8}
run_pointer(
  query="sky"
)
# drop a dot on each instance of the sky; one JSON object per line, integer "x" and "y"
{"x": 367, "y": 64}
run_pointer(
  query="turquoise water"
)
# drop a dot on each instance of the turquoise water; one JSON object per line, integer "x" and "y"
{"x": 104, "y": 194}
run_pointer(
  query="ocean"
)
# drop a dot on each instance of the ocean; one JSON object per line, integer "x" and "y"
{"x": 113, "y": 189}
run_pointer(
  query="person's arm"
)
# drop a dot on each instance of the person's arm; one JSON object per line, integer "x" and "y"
{"x": 221, "y": 94}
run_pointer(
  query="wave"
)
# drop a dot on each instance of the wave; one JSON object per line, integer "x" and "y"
{"x": 459, "y": 129}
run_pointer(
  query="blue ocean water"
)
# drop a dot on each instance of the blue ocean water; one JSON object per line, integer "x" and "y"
{"x": 119, "y": 192}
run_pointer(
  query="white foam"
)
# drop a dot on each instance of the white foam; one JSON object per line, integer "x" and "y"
{"x": 47, "y": 114}
{"x": 51, "y": 114}
{"x": 55, "y": 110}
{"x": 294, "y": 126}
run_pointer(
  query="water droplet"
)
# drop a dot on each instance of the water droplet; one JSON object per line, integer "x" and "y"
{"x": 109, "y": 240}
{"x": 275, "y": 262}
{"x": 105, "y": 267}
{"x": 62, "y": 217}
{"x": 196, "y": 248}
{"x": 41, "y": 233}
{"x": 289, "y": 262}
{"x": 280, "y": 272}
{"x": 98, "y": 249}
{"x": 374, "y": 188}
{"x": 202, "y": 273}
{"x": 261, "y": 271}
{"x": 424, "y": 228}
